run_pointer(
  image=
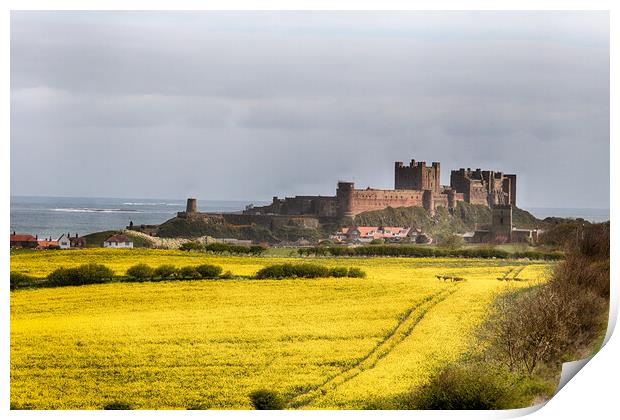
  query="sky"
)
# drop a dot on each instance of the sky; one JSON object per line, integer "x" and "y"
{"x": 250, "y": 105}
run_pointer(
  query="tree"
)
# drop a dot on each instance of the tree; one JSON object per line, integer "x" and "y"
{"x": 451, "y": 241}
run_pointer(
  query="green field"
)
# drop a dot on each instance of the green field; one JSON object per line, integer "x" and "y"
{"x": 321, "y": 343}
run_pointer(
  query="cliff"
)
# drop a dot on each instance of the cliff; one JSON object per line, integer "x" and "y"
{"x": 466, "y": 217}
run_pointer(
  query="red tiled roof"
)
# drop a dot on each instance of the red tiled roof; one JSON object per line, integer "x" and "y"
{"x": 23, "y": 238}
{"x": 366, "y": 230}
{"x": 45, "y": 244}
{"x": 118, "y": 238}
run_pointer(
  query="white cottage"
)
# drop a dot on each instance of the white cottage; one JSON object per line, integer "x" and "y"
{"x": 64, "y": 242}
{"x": 118, "y": 241}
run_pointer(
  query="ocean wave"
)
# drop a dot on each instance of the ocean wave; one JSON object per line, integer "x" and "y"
{"x": 93, "y": 210}
{"x": 153, "y": 204}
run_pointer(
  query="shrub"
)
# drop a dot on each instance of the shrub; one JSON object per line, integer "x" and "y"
{"x": 461, "y": 388}
{"x": 339, "y": 272}
{"x": 117, "y": 405}
{"x": 19, "y": 279}
{"x": 266, "y": 400}
{"x": 83, "y": 274}
{"x": 16, "y": 406}
{"x": 140, "y": 272}
{"x": 191, "y": 246}
{"x": 257, "y": 249}
{"x": 547, "y": 324}
{"x": 423, "y": 251}
{"x": 451, "y": 241}
{"x": 356, "y": 272}
{"x": 309, "y": 271}
{"x": 217, "y": 248}
{"x": 377, "y": 241}
{"x": 279, "y": 271}
{"x": 227, "y": 275}
{"x": 165, "y": 271}
{"x": 209, "y": 271}
{"x": 189, "y": 272}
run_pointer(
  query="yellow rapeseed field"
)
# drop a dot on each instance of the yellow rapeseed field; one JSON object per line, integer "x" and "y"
{"x": 322, "y": 343}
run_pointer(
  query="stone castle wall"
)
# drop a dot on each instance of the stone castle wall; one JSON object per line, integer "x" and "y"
{"x": 414, "y": 185}
{"x": 374, "y": 199}
{"x": 485, "y": 187}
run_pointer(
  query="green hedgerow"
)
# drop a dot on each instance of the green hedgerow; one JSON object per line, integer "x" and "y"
{"x": 209, "y": 271}
{"x": 165, "y": 271}
{"x": 140, "y": 272}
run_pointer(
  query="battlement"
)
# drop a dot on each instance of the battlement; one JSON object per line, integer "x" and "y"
{"x": 415, "y": 184}
{"x": 417, "y": 176}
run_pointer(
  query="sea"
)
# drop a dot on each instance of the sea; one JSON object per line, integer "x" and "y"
{"x": 591, "y": 214}
{"x": 53, "y": 216}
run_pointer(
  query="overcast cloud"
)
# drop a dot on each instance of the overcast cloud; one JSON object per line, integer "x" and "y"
{"x": 250, "y": 105}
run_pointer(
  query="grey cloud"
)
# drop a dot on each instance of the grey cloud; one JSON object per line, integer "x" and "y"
{"x": 191, "y": 103}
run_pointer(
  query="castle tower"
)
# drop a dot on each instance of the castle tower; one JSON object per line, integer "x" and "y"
{"x": 510, "y": 187}
{"x": 451, "y": 199}
{"x": 191, "y": 207}
{"x": 344, "y": 195}
{"x": 417, "y": 176}
{"x": 428, "y": 202}
{"x": 501, "y": 223}
{"x": 435, "y": 179}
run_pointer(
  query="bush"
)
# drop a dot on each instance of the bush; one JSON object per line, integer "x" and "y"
{"x": 83, "y": 274}
{"x": 117, "y": 405}
{"x": 451, "y": 241}
{"x": 423, "y": 251}
{"x": 208, "y": 271}
{"x": 165, "y": 271}
{"x": 308, "y": 271}
{"x": 19, "y": 279}
{"x": 461, "y": 388}
{"x": 257, "y": 249}
{"x": 546, "y": 325}
{"x": 219, "y": 248}
{"x": 266, "y": 400}
{"x": 339, "y": 272}
{"x": 356, "y": 272}
{"x": 191, "y": 246}
{"x": 140, "y": 272}
{"x": 189, "y": 272}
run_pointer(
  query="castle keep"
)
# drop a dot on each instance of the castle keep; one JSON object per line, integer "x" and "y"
{"x": 414, "y": 185}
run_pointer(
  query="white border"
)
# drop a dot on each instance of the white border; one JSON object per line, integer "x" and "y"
{"x": 594, "y": 391}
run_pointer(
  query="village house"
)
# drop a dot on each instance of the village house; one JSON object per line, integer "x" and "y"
{"x": 64, "y": 242}
{"x": 47, "y": 243}
{"x": 118, "y": 241}
{"x": 24, "y": 241}
{"x": 365, "y": 234}
{"x": 67, "y": 241}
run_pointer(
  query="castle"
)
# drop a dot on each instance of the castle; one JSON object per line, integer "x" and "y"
{"x": 414, "y": 185}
